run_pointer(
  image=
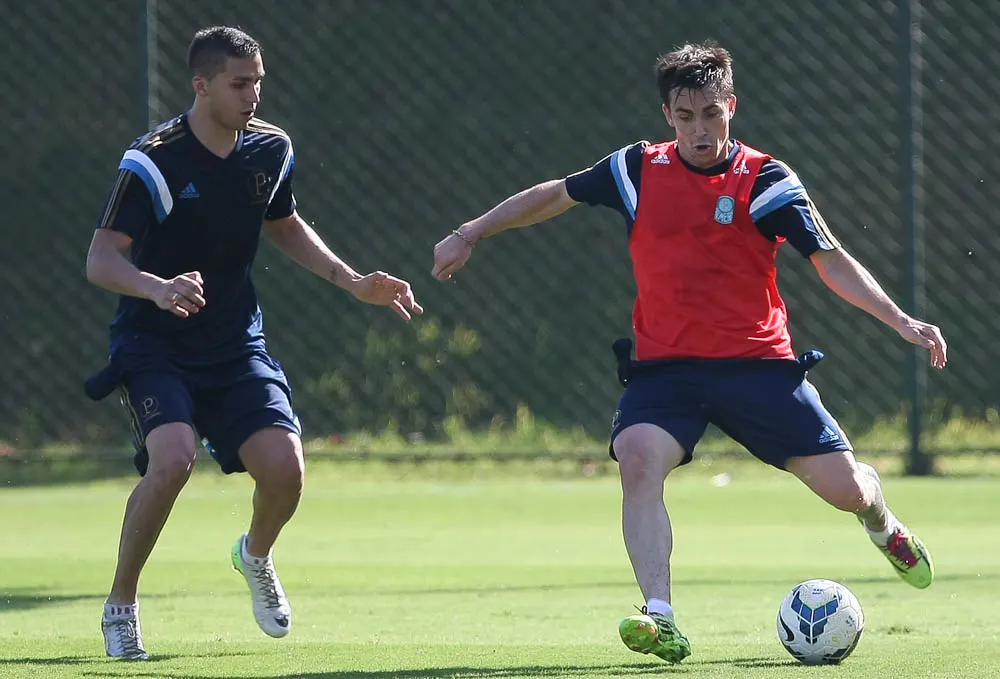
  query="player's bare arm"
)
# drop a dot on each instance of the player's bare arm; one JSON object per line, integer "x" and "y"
{"x": 108, "y": 268}
{"x": 293, "y": 236}
{"x": 531, "y": 206}
{"x": 854, "y": 283}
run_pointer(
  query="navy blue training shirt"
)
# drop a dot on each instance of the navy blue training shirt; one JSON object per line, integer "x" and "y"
{"x": 779, "y": 206}
{"x": 187, "y": 209}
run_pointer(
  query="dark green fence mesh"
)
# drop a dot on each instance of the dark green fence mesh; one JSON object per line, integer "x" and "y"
{"x": 411, "y": 116}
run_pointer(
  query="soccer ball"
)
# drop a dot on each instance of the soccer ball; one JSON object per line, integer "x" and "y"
{"x": 820, "y": 622}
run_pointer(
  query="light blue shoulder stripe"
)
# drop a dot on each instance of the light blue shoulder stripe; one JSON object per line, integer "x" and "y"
{"x": 144, "y": 168}
{"x": 777, "y": 196}
{"x": 626, "y": 187}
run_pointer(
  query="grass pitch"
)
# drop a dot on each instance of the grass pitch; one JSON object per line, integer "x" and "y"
{"x": 488, "y": 575}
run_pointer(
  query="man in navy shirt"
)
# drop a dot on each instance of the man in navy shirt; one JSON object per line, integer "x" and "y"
{"x": 177, "y": 240}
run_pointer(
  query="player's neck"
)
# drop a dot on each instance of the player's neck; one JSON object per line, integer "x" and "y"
{"x": 722, "y": 158}
{"x": 219, "y": 140}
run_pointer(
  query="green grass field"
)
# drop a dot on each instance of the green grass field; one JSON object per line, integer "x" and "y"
{"x": 482, "y": 574}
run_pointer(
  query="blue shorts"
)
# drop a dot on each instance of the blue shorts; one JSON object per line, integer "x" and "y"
{"x": 225, "y": 402}
{"x": 766, "y": 405}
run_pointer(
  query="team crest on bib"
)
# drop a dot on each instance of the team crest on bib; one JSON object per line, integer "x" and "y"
{"x": 724, "y": 210}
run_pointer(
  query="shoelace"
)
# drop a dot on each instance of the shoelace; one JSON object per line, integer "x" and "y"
{"x": 128, "y": 637}
{"x": 655, "y": 616}
{"x": 266, "y": 577}
{"x": 899, "y": 547}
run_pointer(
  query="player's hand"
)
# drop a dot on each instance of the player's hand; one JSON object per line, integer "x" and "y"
{"x": 182, "y": 295}
{"x": 927, "y": 336}
{"x": 450, "y": 255}
{"x": 381, "y": 289}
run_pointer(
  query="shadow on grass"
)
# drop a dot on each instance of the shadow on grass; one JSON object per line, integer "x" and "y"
{"x": 71, "y": 660}
{"x": 23, "y": 600}
{"x": 27, "y": 599}
{"x": 694, "y": 582}
{"x": 32, "y": 471}
{"x": 45, "y": 662}
{"x": 754, "y": 663}
{"x": 624, "y": 670}
{"x": 77, "y": 660}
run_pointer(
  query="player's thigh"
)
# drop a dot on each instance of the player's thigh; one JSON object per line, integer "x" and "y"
{"x": 835, "y": 477}
{"x": 657, "y": 424}
{"x": 770, "y": 408}
{"x": 160, "y": 411}
{"x": 229, "y": 413}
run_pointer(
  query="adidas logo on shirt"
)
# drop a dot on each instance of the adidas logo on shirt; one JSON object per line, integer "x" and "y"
{"x": 189, "y": 192}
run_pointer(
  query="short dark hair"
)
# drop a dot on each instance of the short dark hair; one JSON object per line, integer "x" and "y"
{"x": 693, "y": 67}
{"x": 211, "y": 46}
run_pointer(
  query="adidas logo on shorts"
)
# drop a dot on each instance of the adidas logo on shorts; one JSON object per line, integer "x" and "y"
{"x": 828, "y": 435}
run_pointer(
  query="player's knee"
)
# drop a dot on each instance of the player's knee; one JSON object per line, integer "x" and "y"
{"x": 276, "y": 462}
{"x": 849, "y": 493}
{"x": 646, "y": 454}
{"x": 289, "y": 474}
{"x": 172, "y": 454}
{"x": 635, "y": 463}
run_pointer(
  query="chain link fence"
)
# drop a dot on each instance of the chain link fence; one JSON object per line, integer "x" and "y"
{"x": 412, "y": 116}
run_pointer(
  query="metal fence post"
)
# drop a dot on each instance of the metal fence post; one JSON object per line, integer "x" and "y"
{"x": 151, "y": 58}
{"x": 918, "y": 460}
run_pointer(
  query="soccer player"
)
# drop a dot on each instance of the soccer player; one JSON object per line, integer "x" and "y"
{"x": 177, "y": 240}
{"x": 705, "y": 215}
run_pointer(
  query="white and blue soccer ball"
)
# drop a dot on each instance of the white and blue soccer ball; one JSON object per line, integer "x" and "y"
{"x": 820, "y": 622}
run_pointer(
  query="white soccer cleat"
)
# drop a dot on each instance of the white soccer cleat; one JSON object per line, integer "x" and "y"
{"x": 123, "y": 634}
{"x": 270, "y": 605}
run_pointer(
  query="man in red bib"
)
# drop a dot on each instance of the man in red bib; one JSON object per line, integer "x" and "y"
{"x": 705, "y": 215}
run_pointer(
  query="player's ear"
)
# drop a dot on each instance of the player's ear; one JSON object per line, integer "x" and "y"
{"x": 666, "y": 114}
{"x": 199, "y": 84}
{"x": 732, "y": 105}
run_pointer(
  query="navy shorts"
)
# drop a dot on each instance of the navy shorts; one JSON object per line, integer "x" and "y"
{"x": 766, "y": 405}
{"x": 225, "y": 402}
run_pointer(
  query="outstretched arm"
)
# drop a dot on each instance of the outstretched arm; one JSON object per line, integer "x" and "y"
{"x": 780, "y": 206}
{"x": 854, "y": 283}
{"x": 610, "y": 182}
{"x": 531, "y": 206}
{"x": 293, "y": 236}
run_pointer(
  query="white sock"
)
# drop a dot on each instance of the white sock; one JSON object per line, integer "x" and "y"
{"x": 116, "y": 611}
{"x": 881, "y": 537}
{"x": 660, "y": 607}
{"x": 256, "y": 560}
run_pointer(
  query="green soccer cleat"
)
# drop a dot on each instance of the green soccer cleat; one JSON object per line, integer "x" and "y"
{"x": 654, "y": 633}
{"x": 904, "y": 550}
{"x": 909, "y": 557}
